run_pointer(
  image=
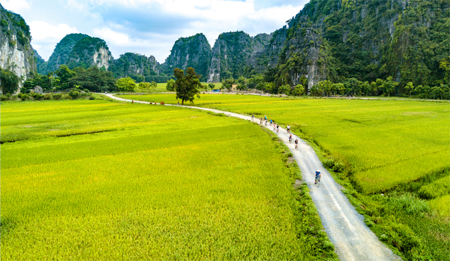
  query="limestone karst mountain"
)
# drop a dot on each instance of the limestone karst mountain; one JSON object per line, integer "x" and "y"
{"x": 16, "y": 53}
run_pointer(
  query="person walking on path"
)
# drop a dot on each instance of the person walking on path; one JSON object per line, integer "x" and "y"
{"x": 260, "y": 121}
{"x": 289, "y": 128}
{"x": 290, "y": 138}
{"x": 274, "y": 126}
{"x": 270, "y": 122}
{"x": 296, "y": 143}
{"x": 253, "y": 117}
{"x": 278, "y": 128}
{"x": 265, "y": 117}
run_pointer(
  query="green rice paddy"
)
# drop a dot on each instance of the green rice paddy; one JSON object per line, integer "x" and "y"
{"x": 96, "y": 180}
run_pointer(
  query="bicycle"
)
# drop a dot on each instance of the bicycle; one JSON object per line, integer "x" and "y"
{"x": 317, "y": 178}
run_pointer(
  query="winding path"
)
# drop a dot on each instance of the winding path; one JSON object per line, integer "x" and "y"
{"x": 345, "y": 227}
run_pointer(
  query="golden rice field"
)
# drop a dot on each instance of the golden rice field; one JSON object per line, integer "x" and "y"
{"x": 95, "y": 180}
{"x": 387, "y": 143}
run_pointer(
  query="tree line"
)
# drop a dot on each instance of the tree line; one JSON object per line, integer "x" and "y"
{"x": 93, "y": 79}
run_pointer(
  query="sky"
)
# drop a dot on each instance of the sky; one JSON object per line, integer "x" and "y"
{"x": 148, "y": 27}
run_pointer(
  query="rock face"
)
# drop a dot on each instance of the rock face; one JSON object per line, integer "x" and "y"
{"x": 16, "y": 53}
{"x": 134, "y": 65}
{"x": 61, "y": 53}
{"x": 90, "y": 51}
{"x": 366, "y": 40}
{"x": 193, "y": 51}
{"x": 78, "y": 50}
{"x": 234, "y": 51}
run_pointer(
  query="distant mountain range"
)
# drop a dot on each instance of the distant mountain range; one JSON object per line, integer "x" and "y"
{"x": 328, "y": 39}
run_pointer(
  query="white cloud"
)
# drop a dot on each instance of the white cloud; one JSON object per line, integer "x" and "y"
{"x": 42, "y": 31}
{"x": 15, "y": 5}
{"x": 45, "y": 36}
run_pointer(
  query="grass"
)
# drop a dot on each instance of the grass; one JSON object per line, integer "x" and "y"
{"x": 386, "y": 143}
{"x": 99, "y": 180}
{"x": 436, "y": 189}
{"x": 384, "y": 152}
{"x": 441, "y": 206}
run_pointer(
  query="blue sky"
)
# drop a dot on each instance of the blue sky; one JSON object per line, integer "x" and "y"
{"x": 148, "y": 27}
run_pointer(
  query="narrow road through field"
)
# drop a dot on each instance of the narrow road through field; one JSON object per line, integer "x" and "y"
{"x": 345, "y": 227}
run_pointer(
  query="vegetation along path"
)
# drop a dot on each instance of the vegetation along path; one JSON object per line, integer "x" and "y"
{"x": 345, "y": 227}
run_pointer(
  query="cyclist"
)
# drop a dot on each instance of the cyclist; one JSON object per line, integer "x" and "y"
{"x": 296, "y": 143}
{"x": 317, "y": 177}
{"x": 289, "y": 128}
{"x": 290, "y": 138}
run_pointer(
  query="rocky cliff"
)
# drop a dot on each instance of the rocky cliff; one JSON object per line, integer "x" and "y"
{"x": 61, "y": 53}
{"x": 90, "y": 51}
{"x": 193, "y": 51}
{"x": 234, "y": 53}
{"x": 16, "y": 53}
{"x": 78, "y": 50}
{"x": 364, "y": 39}
{"x": 139, "y": 67}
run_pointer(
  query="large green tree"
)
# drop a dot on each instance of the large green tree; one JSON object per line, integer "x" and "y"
{"x": 93, "y": 79}
{"x": 187, "y": 84}
{"x": 9, "y": 81}
{"x": 126, "y": 84}
{"x": 64, "y": 74}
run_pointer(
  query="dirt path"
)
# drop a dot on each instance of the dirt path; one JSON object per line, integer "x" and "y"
{"x": 345, "y": 227}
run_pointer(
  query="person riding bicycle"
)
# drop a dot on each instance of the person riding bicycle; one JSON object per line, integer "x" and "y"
{"x": 317, "y": 176}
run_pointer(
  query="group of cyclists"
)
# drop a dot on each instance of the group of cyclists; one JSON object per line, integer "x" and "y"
{"x": 276, "y": 128}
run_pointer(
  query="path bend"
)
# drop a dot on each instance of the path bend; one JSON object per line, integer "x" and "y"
{"x": 345, "y": 227}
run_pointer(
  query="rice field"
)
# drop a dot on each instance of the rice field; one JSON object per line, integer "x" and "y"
{"x": 386, "y": 143}
{"x": 96, "y": 180}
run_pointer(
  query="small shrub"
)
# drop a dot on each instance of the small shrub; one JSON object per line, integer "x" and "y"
{"x": 74, "y": 94}
{"x": 36, "y": 96}
{"x": 23, "y": 96}
{"x": 328, "y": 163}
{"x": 66, "y": 97}
{"x": 85, "y": 90}
{"x": 92, "y": 98}
{"x": 384, "y": 237}
{"x": 57, "y": 96}
{"x": 48, "y": 96}
{"x": 4, "y": 98}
